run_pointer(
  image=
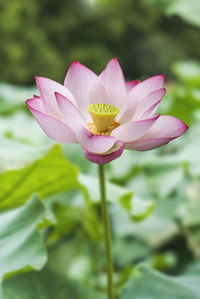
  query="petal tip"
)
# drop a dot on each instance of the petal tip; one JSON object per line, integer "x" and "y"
{"x": 113, "y": 60}
{"x": 186, "y": 127}
{"x": 27, "y": 102}
{"x": 57, "y": 94}
{"x": 183, "y": 127}
{"x": 37, "y": 78}
{"x": 161, "y": 76}
{"x": 59, "y": 97}
{"x": 75, "y": 62}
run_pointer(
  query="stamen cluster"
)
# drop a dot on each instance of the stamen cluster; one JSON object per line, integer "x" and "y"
{"x": 109, "y": 130}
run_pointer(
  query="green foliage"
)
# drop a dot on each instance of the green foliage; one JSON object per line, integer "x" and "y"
{"x": 58, "y": 236}
{"x": 46, "y": 176}
{"x": 183, "y": 98}
{"x": 51, "y": 236}
{"x": 188, "y": 10}
{"x": 46, "y": 284}
{"x": 22, "y": 247}
{"x": 137, "y": 32}
{"x": 149, "y": 284}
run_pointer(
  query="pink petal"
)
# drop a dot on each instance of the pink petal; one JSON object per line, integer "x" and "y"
{"x": 131, "y": 84}
{"x": 36, "y": 103}
{"x": 147, "y": 102}
{"x": 134, "y": 130}
{"x": 151, "y": 111}
{"x": 140, "y": 91}
{"x": 98, "y": 93}
{"x": 112, "y": 79}
{"x": 104, "y": 159}
{"x": 47, "y": 89}
{"x": 71, "y": 115}
{"x": 79, "y": 80}
{"x": 167, "y": 126}
{"x": 145, "y": 87}
{"x": 147, "y": 144}
{"x": 54, "y": 128}
{"x": 165, "y": 129}
{"x": 96, "y": 144}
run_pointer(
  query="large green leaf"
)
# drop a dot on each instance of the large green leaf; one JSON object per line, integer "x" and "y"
{"x": 150, "y": 284}
{"x": 74, "y": 154}
{"x": 15, "y": 154}
{"x": 21, "y": 244}
{"x": 46, "y": 285}
{"x": 114, "y": 192}
{"x": 68, "y": 220}
{"x": 135, "y": 250}
{"x": 136, "y": 207}
{"x": 188, "y": 213}
{"x": 22, "y": 141}
{"x": 46, "y": 176}
{"x": 156, "y": 229}
{"x": 20, "y": 127}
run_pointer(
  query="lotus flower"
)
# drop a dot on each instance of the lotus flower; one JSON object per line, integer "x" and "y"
{"x": 104, "y": 114}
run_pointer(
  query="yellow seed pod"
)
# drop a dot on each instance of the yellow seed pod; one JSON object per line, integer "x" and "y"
{"x": 103, "y": 115}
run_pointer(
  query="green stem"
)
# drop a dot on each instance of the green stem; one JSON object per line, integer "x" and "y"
{"x": 107, "y": 234}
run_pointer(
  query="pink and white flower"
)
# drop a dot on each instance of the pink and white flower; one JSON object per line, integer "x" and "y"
{"x": 123, "y": 115}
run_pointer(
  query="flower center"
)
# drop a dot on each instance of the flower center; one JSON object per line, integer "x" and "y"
{"x": 103, "y": 116}
{"x": 94, "y": 130}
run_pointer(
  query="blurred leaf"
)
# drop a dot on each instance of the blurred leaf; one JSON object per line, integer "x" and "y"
{"x": 188, "y": 214}
{"x": 141, "y": 208}
{"x": 120, "y": 170}
{"x": 68, "y": 219}
{"x": 22, "y": 248}
{"x": 74, "y": 154}
{"x": 188, "y": 10}
{"x": 22, "y": 128}
{"x": 183, "y": 98}
{"x": 22, "y": 141}
{"x": 15, "y": 154}
{"x": 137, "y": 208}
{"x": 156, "y": 229}
{"x": 46, "y": 285}
{"x": 187, "y": 71}
{"x": 165, "y": 180}
{"x": 46, "y": 176}
{"x": 164, "y": 261}
{"x": 12, "y": 98}
{"x": 128, "y": 251}
{"x": 147, "y": 283}
{"x": 114, "y": 192}
{"x": 71, "y": 259}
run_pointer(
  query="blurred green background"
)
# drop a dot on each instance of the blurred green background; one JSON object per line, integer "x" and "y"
{"x": 148, "y": 37}
{"x": 43, "y": 37}
{"x": 51, "y": 230}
